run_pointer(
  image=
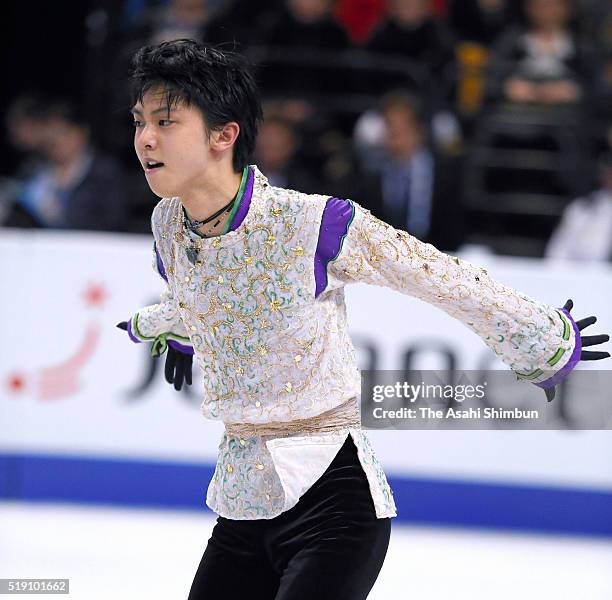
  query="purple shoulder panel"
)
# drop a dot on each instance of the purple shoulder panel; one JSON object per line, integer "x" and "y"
{"x": 337, "y": 216}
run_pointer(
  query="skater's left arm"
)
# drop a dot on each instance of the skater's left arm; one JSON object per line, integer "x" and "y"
{"x": 540, "y": 343}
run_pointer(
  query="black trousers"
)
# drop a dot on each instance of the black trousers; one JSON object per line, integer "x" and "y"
{"x": 330, "y": 545}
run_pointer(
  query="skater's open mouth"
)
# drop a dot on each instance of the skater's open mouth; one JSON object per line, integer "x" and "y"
{"x": 151, "y": 165}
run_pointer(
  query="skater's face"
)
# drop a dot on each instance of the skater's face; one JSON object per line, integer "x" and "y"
{"x": 178, "y": 143}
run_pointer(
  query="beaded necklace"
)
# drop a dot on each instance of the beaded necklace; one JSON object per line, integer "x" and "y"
{"x": 192, "y": 250}
{"x": 195, "y": 225}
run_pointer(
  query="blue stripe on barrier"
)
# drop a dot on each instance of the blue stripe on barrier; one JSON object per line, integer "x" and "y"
{"x": 34, "y": 477}
{"x": 504, "y": 506}
{"x": 4, "y": 476}
{"x": 106, "y": 481}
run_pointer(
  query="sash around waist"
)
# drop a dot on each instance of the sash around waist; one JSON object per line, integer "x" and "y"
{"x": 343, "y": 416}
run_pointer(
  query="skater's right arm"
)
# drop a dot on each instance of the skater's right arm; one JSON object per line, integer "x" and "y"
{"x": 160, "y": 323}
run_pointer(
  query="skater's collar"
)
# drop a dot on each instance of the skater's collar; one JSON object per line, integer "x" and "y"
{"x": 254, "y": 183}
{"x": 232, "y": 220}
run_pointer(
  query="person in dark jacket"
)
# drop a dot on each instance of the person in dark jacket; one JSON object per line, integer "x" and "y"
{"x": 410, "y": 31}
{"x": 405, "y": 183}
{"x": 481, "y": 21}
{"x": 276, "y": 154}
{"x": 303, "y": 40}
{"x": 545, "y": 61}
{"x": 305, "y": 24}
{"x": 76, "y": 187}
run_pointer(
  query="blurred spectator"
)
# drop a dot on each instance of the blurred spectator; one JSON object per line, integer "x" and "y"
{"x": 585, "y": 231}
{"x": 603, "y": 94}
{"x": 360, "y": 17}
{"x": 481, "y": 20}
{"x": 312, "y": 126}
{"x": 275, "y": 155}
{"x": 476, "y": 23}
{"x": 305, "y": 24}
{"x": 598, "y": 21}
{"x": 234, "y": 27}
{"x": 544, "y": 62}
{"x": 178, "y": 19}
{"x": 406, "y": 183}
{"x": 24, "y": 119}
{"x": 74, "y": 187}
{"x": 411, "y": 31}
{"x": 300, "y": 39}
{"x": 369, "y": 133}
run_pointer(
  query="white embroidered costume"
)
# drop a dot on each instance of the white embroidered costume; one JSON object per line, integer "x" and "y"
{"x": 263, "y": 311}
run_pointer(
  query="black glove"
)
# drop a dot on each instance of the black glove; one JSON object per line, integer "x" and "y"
{"x": 589, "y": 340}
{"x": 178, "y": 365}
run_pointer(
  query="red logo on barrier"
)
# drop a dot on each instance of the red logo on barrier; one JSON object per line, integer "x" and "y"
{"x": 95, "y": 295}
{"x": 16, "y": 382}
{"x": 63, "y": 379}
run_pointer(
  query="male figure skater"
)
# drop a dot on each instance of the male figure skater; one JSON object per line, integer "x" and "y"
{"x": 255, "y": 281}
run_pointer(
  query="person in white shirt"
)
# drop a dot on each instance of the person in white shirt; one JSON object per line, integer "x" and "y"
{"x": 255, "y": 278}
{"x": 585, "y": 230}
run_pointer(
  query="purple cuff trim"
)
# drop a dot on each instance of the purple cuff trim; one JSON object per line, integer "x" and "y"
{"x": 243, "y": 209}
{"x": 571, "y": 363}
{"x": 132, "y": 336}
{"x": 160, "y": 264}
{"x": 337, "y": 216}
{"x": 180, "y": 347}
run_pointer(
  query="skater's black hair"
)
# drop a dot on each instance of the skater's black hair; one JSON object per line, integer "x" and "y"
{"x": 218, "y": 82}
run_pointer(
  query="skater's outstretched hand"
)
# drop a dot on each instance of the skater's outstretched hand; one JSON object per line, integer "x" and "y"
{"x": 588, "y": 340}
{"x": 178, "y": 365}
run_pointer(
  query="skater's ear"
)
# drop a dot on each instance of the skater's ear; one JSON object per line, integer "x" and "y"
{"x": 224, "y": 137}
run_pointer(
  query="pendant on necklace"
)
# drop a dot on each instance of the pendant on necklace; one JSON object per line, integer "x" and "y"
{"x": 193, "y": 249}
{"x": 192, "y": 253}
